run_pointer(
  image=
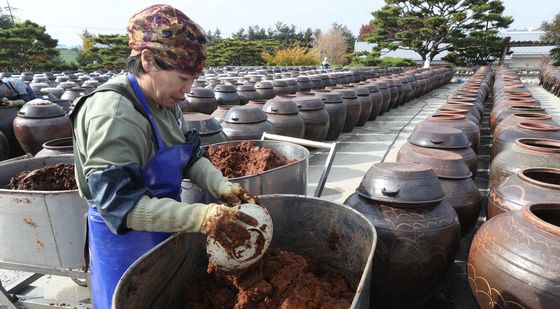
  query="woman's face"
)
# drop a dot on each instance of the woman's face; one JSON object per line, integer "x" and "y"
{"x": 163, "y": 87}
{"x": 169, "y": 87}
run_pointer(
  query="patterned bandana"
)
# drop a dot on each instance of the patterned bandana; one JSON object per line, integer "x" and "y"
{"x": 170, "y": 35}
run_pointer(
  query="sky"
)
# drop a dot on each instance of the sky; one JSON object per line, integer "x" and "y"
{"x": 66, "y": 19}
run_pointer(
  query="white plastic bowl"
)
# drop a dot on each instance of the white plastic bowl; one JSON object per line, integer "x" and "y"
{"x": 243, "y": 256}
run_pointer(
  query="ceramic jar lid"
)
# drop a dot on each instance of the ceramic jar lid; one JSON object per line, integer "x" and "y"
{"x": 264, "y": 85}
{"x": 225, "y": 88}
{"x": 245, "y": 114}
{"x": 445, "y": 163}
{"x": 347, "y": 93}
{"x": 435, "y": 137}
{"x": 246, "y": 88}
{"x": 282, "y": 105}
{"x": 406, "y": 184}
{"x": 309, "y": 103}
{"x": 39, "y": 108}
{"x": 203, "y": 123}
{"x": 201, "y": 93}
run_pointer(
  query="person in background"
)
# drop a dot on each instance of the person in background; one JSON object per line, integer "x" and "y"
{"x": 325, "y": 63}
{"x": 14, "y": 92}
{"x": 133, "y": 149}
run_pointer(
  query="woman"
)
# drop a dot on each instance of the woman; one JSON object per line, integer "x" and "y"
{"x": 132, "y": 149}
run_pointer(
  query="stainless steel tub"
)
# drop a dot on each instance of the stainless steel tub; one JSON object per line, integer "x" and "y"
{"x": 41, "y": 231}
{"x": 301, "y": 225}
{"x": 287, "y": 179}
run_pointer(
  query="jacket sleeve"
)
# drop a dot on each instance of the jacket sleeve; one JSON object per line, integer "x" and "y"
{"x": 115, "y": 191}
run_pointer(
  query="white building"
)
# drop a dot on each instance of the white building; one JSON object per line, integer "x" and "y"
{"x": 522, "y": 56}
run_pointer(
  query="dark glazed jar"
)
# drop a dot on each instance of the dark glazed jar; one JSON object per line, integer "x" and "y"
{"x": 367, "y": 104}
{"x": 280, "y": 86}
{"x": 499, "y": 114}
{"x": 314, "y": 115}
{"x": 386, "y": 94}
{"x": 55, "y": 147}
{"x": 7, "y": 116}
{"x": 523, "y": 130}
{"x": 530, "y": 185}
{"x": 202, "y": 100}
{"x": 353, "y": 107}
{"x": 515, "y": 118}
{"x": 221, "y": 111}
{"x": 226, "y": 95}
{"x": 247, "y": 92}
{"x": 451, "y": 139}
{"x": 513, "y": 259}
{"x": 460, "y": 122}
{"x": 337, "y": 112}
{"x": 303, "y": 83}
{"x": 265, "y": 89}
{"x": 207, "y": 126}
{"x": 283, "y": 113}
{"x": 455, "y": 179}
{"x": 525, "y": 152}
{"x": 72, "y": 94}
{"x": 39, "y": 121}
{"x": 4, "y": 147}
{"x": 418, "y": 232}
{"x": 246, "y": 122}
{"x": 376, "y": 101}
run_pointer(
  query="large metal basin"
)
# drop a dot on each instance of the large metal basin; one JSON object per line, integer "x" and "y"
{"x": 287, "y": 179}
{"x": 301, "y": 225}
{"x": 40, "y": 228}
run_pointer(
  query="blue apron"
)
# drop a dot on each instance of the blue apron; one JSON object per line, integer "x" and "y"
{"x": 112, "y": 254}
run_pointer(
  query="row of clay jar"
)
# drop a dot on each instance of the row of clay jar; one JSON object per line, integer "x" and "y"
{"x": 512, "y": 257}
{"x": 317, "y": 115}
{"x": 423, "y": 203}
{"x": 549, "y": 78}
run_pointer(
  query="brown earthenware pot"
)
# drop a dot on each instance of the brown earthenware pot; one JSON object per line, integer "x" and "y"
{"x": 314, "y": 115}
{"x": 512, "y": 259}
{"x": 498, "y": 114}
{"x": 283, "y": 112}
{"x": 208, "y": 127}
{"x": 39, "y": 121}
{"x": 515, "y": 118}
{"x": 246, "y": 122}
{"x": 529, "y": 185}
{"x": 55, "y": 147}
{"x": 353, "y": 108}
{"x": 460, "y": 122}
{"x": 525, "y": 152}
{"x": 455, "y": 178}
{"x": 337, "y": 112}
{"x": 523, "y": 130}
{"x": 418, "y": 232}
{"x": 202, "y": 100}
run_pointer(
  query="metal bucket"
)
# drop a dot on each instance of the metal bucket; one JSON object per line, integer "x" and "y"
{"x": 40, "y": 228}
{"x": 301, "y": 225}
{"x": 287, "y": 179}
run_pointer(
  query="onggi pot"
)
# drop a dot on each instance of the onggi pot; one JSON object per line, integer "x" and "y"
{"x": 529, "y": 185}
{"x": 418, "y": 232}
{"x": 526, "y": 152}
{"x": 512, "y": 260}
{"x": 39, "y": 121}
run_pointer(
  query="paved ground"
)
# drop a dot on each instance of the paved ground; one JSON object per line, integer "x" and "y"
{"x": 376, "y": 141}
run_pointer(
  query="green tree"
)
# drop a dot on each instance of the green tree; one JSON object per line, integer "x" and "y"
{"x": 551, "y": 30}
{"x": 552, "y": 34}
{"x": 215, "y": 37}
{"x": 430, "y": 27}
{"x": 238, "y": 52}
{"x": 27, "y": 47}
{"x": 286, "y": 35}
{"x": 478, "y": 48}
{"x": 112, "y": 50}
{"x": 5, "y": 20}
